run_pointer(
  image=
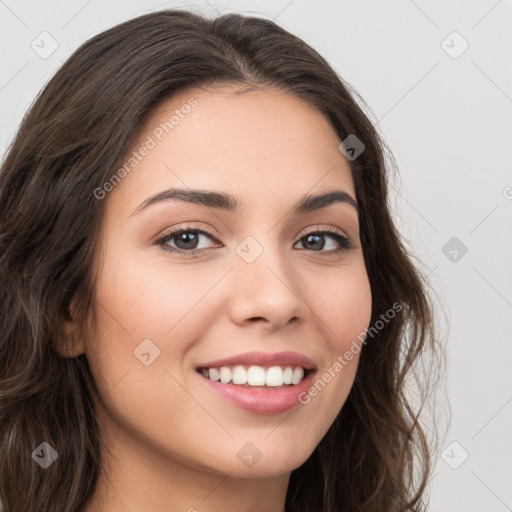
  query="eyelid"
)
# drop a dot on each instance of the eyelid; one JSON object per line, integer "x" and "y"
{"x": 185, "y": 227}
{"x": 319, "y": 227}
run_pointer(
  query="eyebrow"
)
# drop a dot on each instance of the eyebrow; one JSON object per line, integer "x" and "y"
{"x": 227, "y": 202}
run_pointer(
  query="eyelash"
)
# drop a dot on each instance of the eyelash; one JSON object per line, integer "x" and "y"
{"x": 344, "y": 242}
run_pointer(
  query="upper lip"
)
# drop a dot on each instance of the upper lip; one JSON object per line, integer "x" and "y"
{"x": 264, "y": 359}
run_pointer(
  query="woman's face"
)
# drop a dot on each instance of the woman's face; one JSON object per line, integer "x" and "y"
{"x": 257, "y": 290}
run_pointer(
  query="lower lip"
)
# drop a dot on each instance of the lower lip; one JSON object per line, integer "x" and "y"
{"x": 261, "y": 401}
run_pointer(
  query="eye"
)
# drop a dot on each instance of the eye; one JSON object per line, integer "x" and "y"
{"x": 187, "y": 240}
{"x": 315, "y": 241}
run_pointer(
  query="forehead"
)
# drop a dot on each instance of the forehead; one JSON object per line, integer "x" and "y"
{"x": 255, "y": 144}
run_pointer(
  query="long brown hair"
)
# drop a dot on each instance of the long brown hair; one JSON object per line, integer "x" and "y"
{"x": 376, "y": 456}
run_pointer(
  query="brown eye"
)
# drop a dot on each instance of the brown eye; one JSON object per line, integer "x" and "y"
{"x": 315, "y": 241}
{"x": 186, "y": 240}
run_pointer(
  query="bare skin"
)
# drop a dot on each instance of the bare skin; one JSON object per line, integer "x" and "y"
{"x": 172, "y": 442}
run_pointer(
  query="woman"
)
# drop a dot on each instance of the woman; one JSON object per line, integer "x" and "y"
{"x": 205, "y": 303}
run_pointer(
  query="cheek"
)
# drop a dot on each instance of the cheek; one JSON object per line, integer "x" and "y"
{"x": 135, "y": 364}
{"x": 346, "y": 308}
{"x": 150, "y": 298}
{"x": 146, "y": 319}
{"x": 344, "y": 313}
{"x": 354, "y": 313}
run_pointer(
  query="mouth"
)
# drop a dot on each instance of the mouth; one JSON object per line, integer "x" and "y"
{"x": 257, "y": 377}
{"x": 258, "y": 382}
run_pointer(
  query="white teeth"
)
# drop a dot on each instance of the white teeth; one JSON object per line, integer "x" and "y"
{"x": 225, "y": 375}
{"x": 214, "y": 374}
{"x": 239, "y": 375}
{"x": 274, "y": 376}
{"x": 298, "y": 375}
{"x": 256, "y": 376}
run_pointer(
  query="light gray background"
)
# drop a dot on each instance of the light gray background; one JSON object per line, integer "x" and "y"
{"x": 447, "y": 118}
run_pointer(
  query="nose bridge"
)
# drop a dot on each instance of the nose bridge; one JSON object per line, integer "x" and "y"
{"x": 264, "y": 285}
{"x": 258, "y": 253}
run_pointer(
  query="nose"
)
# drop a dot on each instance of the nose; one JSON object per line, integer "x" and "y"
{"x": 266, "y": 291}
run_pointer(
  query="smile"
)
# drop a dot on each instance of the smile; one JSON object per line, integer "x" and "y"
{"x": 258, "y": 382}
{"x": 256, "y": 376}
